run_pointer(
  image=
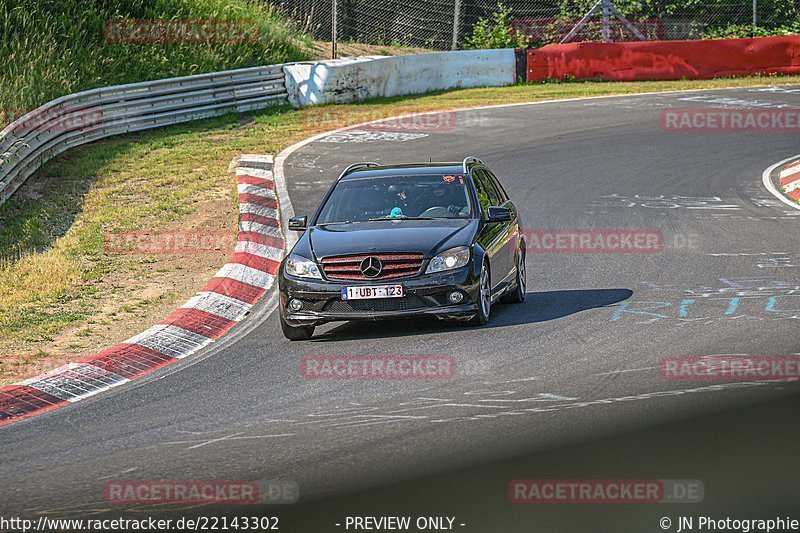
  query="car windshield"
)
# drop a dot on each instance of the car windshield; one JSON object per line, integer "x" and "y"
{"x": 397, "y": 198}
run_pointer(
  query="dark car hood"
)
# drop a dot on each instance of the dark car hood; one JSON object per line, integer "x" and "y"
{"x": 424, "y": 236}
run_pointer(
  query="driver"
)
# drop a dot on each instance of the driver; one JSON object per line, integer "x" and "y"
{"x": 446, "y": 196}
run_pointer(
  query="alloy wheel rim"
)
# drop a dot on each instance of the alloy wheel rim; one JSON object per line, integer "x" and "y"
{"x": 521, "y": 273}
{"x": 486, "y": 292}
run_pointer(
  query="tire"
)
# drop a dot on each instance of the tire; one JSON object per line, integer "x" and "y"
{"x": 517, "y": 295}
{"x": 484, "y": 298}
{"x": 300, "y": 333}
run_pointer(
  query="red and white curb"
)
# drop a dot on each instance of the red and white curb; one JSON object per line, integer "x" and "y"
{"x": 225, "y": 300}
{"x": 790, "y": 180}
{"x": 782, "y": 180}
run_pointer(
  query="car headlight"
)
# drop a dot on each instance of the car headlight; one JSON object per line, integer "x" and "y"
{"x": 448, "y": 260}
{"x": 301, "y": 267}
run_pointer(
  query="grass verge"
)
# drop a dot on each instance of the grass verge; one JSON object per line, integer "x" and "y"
{"x": 52, "y": 48}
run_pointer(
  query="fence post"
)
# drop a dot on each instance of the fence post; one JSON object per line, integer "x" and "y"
{"x": 456, "y": 23}
{"x": 334, "y": 32}
{"x": 606, "y": 22}
{"x": 755, "y": 16}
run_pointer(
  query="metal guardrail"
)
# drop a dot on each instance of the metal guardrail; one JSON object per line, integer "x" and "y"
{"x": 35, "y": 138}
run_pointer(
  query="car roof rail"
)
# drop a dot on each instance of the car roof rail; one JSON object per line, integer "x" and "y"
{"x": 468, "y": 161}
{"x": 356, "y": 166}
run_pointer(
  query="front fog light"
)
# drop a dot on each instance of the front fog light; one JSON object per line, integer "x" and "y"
{"x": 456, "y": 297}
{"x": 295, "y": 305}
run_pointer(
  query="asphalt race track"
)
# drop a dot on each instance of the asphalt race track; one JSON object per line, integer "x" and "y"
{"x": 566, "y": 385}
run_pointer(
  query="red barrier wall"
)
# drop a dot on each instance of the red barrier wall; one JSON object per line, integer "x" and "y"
{"x": 666, "y": 60}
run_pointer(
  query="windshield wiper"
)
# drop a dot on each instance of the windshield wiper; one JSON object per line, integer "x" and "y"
{"x": 333, "y": 223}
{"x": 379, "y": 219}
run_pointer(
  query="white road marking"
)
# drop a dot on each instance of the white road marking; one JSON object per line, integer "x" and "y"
{"x": 371, "y": 136}
{"x": 626, "y": 370}
{"x": 234, "y": 436}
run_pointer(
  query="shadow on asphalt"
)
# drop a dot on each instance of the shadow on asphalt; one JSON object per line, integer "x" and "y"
{"x": 537, "y": 307}
{"x": 745, "y": 457}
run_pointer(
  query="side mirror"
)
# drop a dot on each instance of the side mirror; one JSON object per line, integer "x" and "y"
{"x": 298, "y": 223}
{"x": 500, "y": 214}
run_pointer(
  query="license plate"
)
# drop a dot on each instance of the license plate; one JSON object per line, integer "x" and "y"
{"x": 372, "y": 293}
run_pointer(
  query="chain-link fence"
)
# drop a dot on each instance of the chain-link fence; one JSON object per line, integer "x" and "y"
{"x": 447, "y": 24}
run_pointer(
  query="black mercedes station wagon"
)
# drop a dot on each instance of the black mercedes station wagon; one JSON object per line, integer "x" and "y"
{"x": 435, "y": 239}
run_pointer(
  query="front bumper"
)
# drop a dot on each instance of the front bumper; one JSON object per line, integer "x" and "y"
{"x": 425, "y": 295}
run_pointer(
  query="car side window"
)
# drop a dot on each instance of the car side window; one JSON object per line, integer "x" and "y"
{"x": 499, "y": 188}
{"x": 483, "y": 193}
{"x": 487, "y": 194}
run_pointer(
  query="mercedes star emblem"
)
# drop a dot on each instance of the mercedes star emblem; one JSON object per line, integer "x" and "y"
{"x": 371, "y": 267}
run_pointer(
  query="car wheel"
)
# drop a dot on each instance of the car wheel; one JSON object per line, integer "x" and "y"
{"x": 300, "y": 333}
{"x": 517, "y": 295}
{"x": 484, "y": 298}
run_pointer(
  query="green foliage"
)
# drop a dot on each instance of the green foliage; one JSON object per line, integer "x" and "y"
{"x": 682, "y": 19}
{"x": 747, "y": 30}
{"x": 495, "y": 32}
{"x": 49, "y": 48}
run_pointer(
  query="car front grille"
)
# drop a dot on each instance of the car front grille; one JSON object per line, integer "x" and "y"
{"x": 382, "y": 304}
{"x": 395, "y": 265}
